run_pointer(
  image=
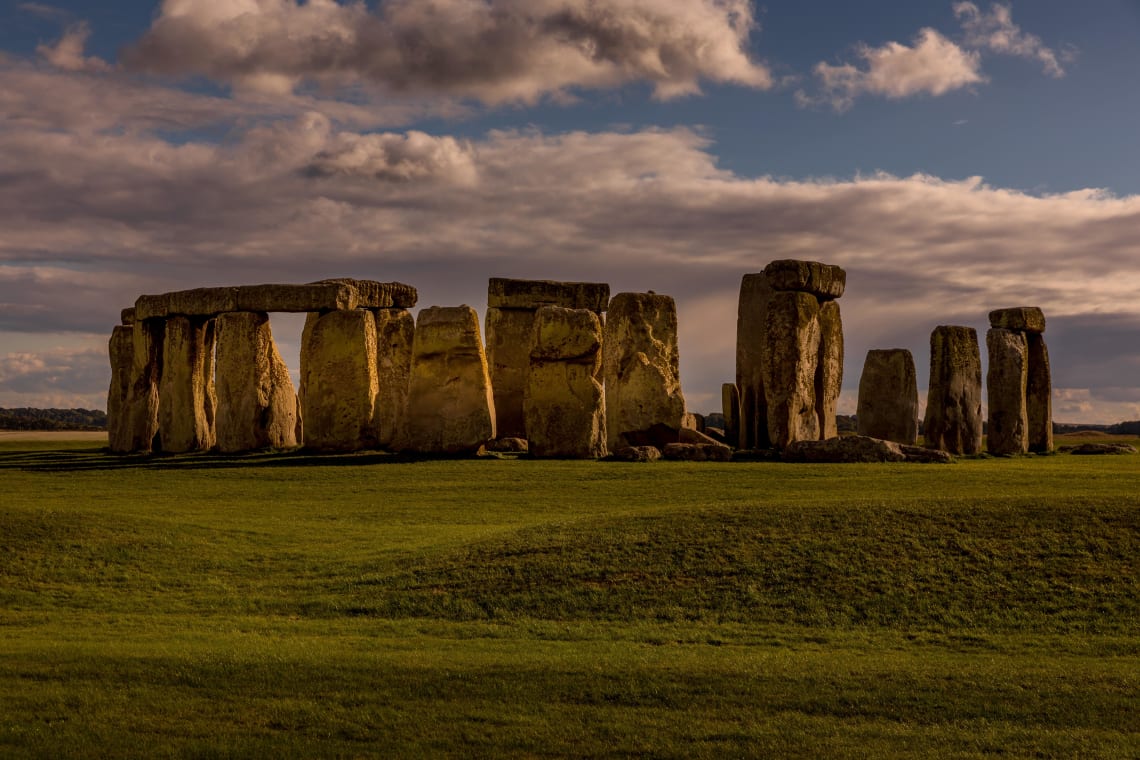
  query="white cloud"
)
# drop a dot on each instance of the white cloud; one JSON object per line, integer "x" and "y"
{"x": 995, "y": 32}
{"x": 55, "y": 377}
{"x": 68, "y": 52}
{"x": 933, "y": 65}
{"x": 495, "y": 51}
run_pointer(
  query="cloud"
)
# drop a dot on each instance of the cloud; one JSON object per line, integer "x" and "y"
{"x": 67, "y": 52}
{"x": 933, "y": 65}
{"x": 494, "y": 51}
{"x": 55, "y": 377}
{"x": 996, "y": 32}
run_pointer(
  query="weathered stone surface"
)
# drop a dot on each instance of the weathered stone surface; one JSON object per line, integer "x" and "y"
{"x": 792, "y": 360}
{"x": 1102, "y": 448}
{"x": 186, "y": 387}
{"x": 1020, "y": 319}
{"x": 395, "y": 333}
{"x": 888, "y": 396}
{"x": 824, "y": 281}
{"x": 1008, "y": 430}
{"x": 127, "y": 316}
{"x": 688, "y": 435}
{"x": 338, "y": 380}
{"x": 371, "y": 294}
{"x": 693, "y": 421}
{"x": 140, "y": 412}
{"x": 924, "y": 455}
{"x": 257, "y": 407}
{"x": 697, "y": 452}
{"x": 642, "y": 369}
{"x": 953, "y": 420}
{"x": 564, "y": 404}
{"x": 1039, "y": 395}
{"x": 637, "y": 454}
{"x": 508, "y": 359}
{"x": 450, "y": 410}
{"x": 509, "y": 445}
{"x": 829, "y": 372}
{"x": 121, "y": 351}
{"x": 751, "y": 360}
{"x": 503, "y": 293}
{"x": 658, "y": 435}
{"x": 854, "y": 448}
{"x": 730, "y": 406}
{"x": 327, "y": 295}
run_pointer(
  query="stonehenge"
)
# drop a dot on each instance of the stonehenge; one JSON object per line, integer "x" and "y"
{"x": 641, "y": 368}
{"x": 564, "y": 406}
{"x": 953, "y": 421}
{"x": 511, "y": 309}
{"x": 789, "y": 353}
{"x": 888, "y": 397}
{"x": 1018, "y": 383}
{"x": 566, "y": 371}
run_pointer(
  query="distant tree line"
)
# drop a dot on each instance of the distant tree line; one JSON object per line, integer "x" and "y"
{"x": 52, "y": 419}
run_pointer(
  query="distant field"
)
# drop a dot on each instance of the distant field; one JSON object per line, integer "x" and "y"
{"x": 293, "y": 605}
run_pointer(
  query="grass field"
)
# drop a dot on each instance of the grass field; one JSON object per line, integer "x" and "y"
{"x": 358, "y": 606}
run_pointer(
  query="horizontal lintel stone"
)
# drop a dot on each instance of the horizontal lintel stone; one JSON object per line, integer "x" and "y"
{"x": 327, "y": 295}
{"x": 1020, "y": 319}
{"x": 503, "y": 293}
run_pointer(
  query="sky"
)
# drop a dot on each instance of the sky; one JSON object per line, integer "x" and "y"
{"x": 954, "y": 157}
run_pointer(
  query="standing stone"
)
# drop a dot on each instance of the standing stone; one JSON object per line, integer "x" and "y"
{"x": 829, "y": 374}
{"x": 793, "y": 330}
{"x": 395, "y": 331}
{"x": 338, "y": 380}
{"x": 641, "y": 366}
{"x": 888, "y": 397}
{"x": 564, "y": 405}
{"x": 257, "y": 407}
{"x": 122, "y": 354}
{"x": 142, "y": 394}
{"x": 511, "y": 307}
{"x": 1008, "y": 430}
{"x": 751, "y": 360}
{"x": 953, "y": 420}
{"x": 186, "y": 405}
{"x": 450, "y": 409}
{"x": 1039, "y": 395}
{"x": 730, "y": 407}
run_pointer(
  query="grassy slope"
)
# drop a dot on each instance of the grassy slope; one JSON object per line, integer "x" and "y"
{"x": 296, "y": 605}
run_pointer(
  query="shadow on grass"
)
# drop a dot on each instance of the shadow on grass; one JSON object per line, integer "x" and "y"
{"x": 89, "y": 459}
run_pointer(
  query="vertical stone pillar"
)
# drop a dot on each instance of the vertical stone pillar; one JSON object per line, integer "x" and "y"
{"x": 888, "y": 396}
{"x": 751, "y": 359}
{"x": 564, "y": 405}
{"x": 1039, "y": 395}
{"x": 793, "y": 357}
{"x": 730, "y": 407}
{"x": 1008, "y": 430}
{"x": 641, "y": 367}
{"x": 338, "y": 380}
{"x": 257, "y": 407}
{"x": 121, "y": 352}
{"x": 450, "y": 409}
{"x": 186, "y": 401}
{"x": 829, "y": 374}
{"x": 511, "y": 307}
{"x": 953, "y": 420}
{"x": 143, "y": 392}
{"x": 395, "y": 333}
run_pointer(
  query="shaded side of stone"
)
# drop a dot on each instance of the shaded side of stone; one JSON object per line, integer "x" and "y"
{"x": 849, "y": 449}
{"x": 888, "y": 396}
{"x": 257, "y": 407}
{"x": 824, "y": 281}
{"x": 395, "y": 334}
{"x": 186, "y": 402}
{"x": 450, "y": 409}
{"x": 1020, "y": 319}
{"x": 1008, "y": 429}
{"x": 564, "y": 404}
{"x": 793, "y": 331}
{"x": 338, "y": 380}
{"x": 504, "y": 293}
{"x": 751, "y": 360}
{"x": 142, "y": 403}
{"x": 121, "y": 350}
{"x": 730, "y": 408}
{"x": 829, "y": 373}
{"x": 1039, "y": 395}
{"x": 953, "y": 421}
{"x": 697, "y": 452}
{"x": 637, "y": 454}
{"x": 641, "y": 366}
{"x": 508, "y": 359}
